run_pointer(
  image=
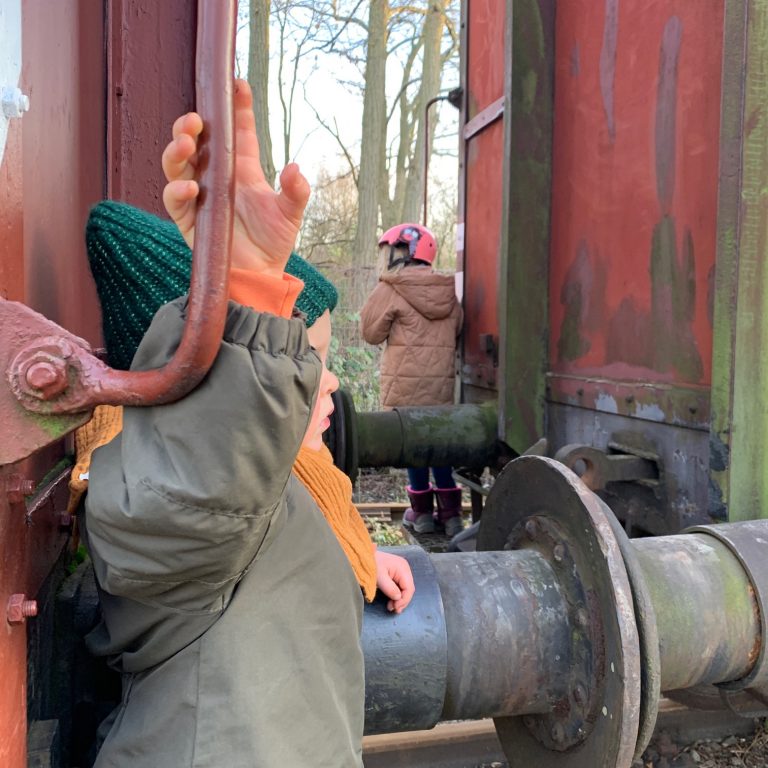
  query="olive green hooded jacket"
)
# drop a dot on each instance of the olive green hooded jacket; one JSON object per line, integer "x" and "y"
{"x": 228, "y": 605}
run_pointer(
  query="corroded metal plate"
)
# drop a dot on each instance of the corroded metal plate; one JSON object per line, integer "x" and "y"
{"x": 25, "y": 432}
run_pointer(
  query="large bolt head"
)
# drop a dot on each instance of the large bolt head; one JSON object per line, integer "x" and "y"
{"x": 20, "y": 609}
{"x": 41, "y": 370}
{"x": 14, "y": 102}
{"x": 47, "y": 375}
{"x": 17, "y": 487}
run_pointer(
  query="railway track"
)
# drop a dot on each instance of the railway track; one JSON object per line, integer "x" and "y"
{"x": 392, "y": 511}
{"x": 475, "y": 745}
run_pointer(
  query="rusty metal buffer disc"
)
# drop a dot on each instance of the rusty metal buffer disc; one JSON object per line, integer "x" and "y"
{"x": 537, "y": 503}
{"x": 645, "y": 618}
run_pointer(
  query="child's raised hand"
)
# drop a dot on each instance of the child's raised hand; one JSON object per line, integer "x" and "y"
{"x": 266, "y": 222}
{"x": 394, "y": 579}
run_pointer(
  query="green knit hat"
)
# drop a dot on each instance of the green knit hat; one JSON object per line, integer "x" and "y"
{"x": 140, "y": 262}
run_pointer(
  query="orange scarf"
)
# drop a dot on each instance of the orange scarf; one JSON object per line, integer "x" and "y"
{"x": 332, "y": 491}
{"x": 329, "y": 487}
{"x": 106, "y": 424}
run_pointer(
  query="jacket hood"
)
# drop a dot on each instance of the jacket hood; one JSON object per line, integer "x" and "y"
{"x": 431, "y": 294}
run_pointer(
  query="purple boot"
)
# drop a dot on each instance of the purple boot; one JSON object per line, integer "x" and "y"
{"x": 449, "y": 510}
{"x": 419, "y": 515}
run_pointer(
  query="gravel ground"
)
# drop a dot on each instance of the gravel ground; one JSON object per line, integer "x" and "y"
{"x": 388, "y": 485}
{"x": 377, "y": 485}
{"x": 732, "y": 752}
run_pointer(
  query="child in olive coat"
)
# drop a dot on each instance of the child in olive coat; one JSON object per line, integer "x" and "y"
{"x": 230, "y": 605}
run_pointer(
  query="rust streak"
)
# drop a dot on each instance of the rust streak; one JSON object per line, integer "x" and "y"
{"x": 608, "y": 63}
{"x": 575, "y": 61}
{"x": 754, "y": 651}
{"x": 666, "y": 107}
{"x": 575, "y": 296}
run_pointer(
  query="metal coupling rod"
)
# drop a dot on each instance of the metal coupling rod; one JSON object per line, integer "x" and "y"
{"x": 562, "y": 629}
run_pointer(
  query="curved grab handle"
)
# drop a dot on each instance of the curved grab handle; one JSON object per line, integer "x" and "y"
{"x": 54, "y": 375}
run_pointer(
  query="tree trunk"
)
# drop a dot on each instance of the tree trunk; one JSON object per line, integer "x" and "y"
{"x": 432, "y": 34}
{"x": 392, "y": 208}
{"x": 373, "y": 144}
{"x": 258, "y": 78}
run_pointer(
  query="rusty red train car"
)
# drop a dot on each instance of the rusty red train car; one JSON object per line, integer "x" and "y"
{"x": 613, "y": 239}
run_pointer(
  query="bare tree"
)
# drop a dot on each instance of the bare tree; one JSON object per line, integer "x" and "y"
{"x": 258, "y": 79}
{"x": 420, "y": 36}
{"x": 429, "y": 85}
{"x": 374, "y": 133}
{"x": 296, "y": 24}
{"x": 328, "y": 230}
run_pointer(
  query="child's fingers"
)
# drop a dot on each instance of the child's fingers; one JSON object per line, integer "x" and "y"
{"x": 398, "y": 606}
{"x": 294, "y": 192}
{"x": 244, "y": 117}
{"x": 388, "y": 587}
{"x": 404, "y": 579}
{"x": 179, "y": 158}
{"x": 190, "y": 124}
{"x": 180, "y": 200}
{"x": 177, "y": 196}
{"x": 245, "y": 131}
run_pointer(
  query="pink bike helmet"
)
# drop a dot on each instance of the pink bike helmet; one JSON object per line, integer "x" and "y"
{"x": 420, "y": 241}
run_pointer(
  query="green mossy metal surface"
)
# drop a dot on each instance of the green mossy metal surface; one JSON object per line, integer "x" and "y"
{"x": 427, "y": 436}
{"x": 524, "y": 251}
{"x": 739, "y": 453}
{"x": 673, "y": 298}
{"x": 705, "y": 613}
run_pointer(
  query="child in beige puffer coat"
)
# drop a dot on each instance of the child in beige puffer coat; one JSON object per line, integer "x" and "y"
{"x": 414, "y": 310}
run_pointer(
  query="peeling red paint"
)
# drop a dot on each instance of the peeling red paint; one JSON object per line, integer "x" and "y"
{"x": 608, "y": 62}
{"x": 666, "y": 109}
{"x": 582, "y": 294}
{"x": 629, "y": 334}
{"x": 575, "y": 62}
{"x": 643, "y": 198}
{"x": 483, "y": 181}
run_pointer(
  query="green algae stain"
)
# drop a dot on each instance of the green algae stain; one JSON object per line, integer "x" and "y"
{"x": 673, "y": 300}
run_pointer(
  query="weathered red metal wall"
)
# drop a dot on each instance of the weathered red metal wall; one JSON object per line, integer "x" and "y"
{"x": 483, "y": 153}
{"x": 634, "y": 202}
{"x": 52, "y": 171}
{"x": 104, "y": 80}
{"x": 151, "y": 60}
